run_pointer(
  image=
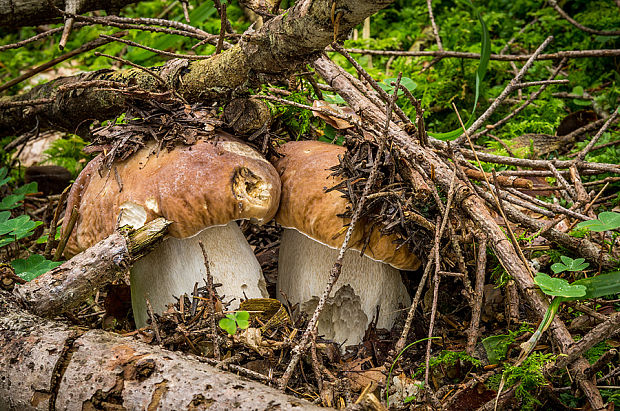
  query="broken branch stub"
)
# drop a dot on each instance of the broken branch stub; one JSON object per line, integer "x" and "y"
{"x": 67, "y": 286}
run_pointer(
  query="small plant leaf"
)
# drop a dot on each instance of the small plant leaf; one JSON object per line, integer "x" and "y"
{"x": 607, "y": 220}
{"x": 29, "y": 188}
{"x": 601, "y": 285}
{"x": 229, "y": 324}
{"x": 558, "y": 287}
{"x": 19, "y": 227}
{"x": 405, "y": 82}
{"x": 6, "y": 241}
{"x": 568, "y": 264}
{"x": 43, "y": 239}
{"x": 242, "y": 318}
{"x": 496, "y": 347}
{"x": 33, "y": 266}
{"x": 578, "y": 90}
{"x": 3, "y": 178}
{"x": 11, "y": 201}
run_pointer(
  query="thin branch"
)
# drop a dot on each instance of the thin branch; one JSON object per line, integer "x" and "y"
{"x": 223, "y": 22}
{"x": 581, "y": 27}
{"x": 9, "y": 104}
{"x": 541, "y": 83}
{"x": 216, "y": 339}
{"x": 509, "y": 89}
{"x": 36, "y": 38}
{"x": 435, "y": 28}
{"x": 163, "y": 53}
{"x": 441, "y": 223}
{"x": 384, "y": 95}
{"x": 82, "y": 49}
{"x": 582, "y": 154}
{"x": 514, "y": 38}
{"x": 221, "y": 10}
{"x": 146, "y": 70}
{"x": 350, "y": 118}
{"x": 474, "y": 325}
{"x": 599, "y": 333}
{"x": 500, "y": 57}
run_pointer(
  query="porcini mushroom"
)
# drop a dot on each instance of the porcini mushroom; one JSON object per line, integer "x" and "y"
{"x": 369, "y": 284}
{"x": 202, "y": 189}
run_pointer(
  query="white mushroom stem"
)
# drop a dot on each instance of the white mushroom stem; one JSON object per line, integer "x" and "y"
{"x": 176, "y": 265}
{"x": 303, "y": 272}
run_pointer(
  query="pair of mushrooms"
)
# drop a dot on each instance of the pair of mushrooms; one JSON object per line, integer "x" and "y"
{"x": 203, "y": 189}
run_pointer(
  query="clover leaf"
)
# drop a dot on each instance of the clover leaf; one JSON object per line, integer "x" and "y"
{"x": 15, "y": 228}
{"x": 239, "y": 319}
{"x": 568, "y": 264}
{"x": 11, "y": 201}
{"x": 405, "y": 82}
{"x": 243, "y": 318}
{"x": 29, "y": 188}
{"x": 607, "y": 220}
{"x": 558, "y": 287}
{"x": 3, "y": 178}
{"x": 33, "y": 266}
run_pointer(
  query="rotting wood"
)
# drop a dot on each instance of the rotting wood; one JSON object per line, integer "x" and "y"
{"x": 69, "y": 284}
{"x": 97, "y": 370}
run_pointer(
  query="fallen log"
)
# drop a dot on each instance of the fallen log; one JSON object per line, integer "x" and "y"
{"x": 49, "y": 365}
{"x": 68, "y": 285}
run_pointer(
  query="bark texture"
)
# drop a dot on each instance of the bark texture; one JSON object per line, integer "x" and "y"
{"x": 17, "y": 13}
{"x": 69, "y": 284}
{"x": 283, "y": 43}
{"x": 47, "y": 365}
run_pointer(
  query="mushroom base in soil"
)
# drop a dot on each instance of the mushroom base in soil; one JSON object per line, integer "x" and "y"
{"x": 366, "y": 288}
{"x": 174, "y": 266}
{"x": 313, "y": 221}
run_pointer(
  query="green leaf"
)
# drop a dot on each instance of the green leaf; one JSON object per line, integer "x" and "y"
{"x": 405, "y": 82}
{"x": 558, "y": 287}
{"x": 485, "y": 56}
{"x": 580, "y": 102}
{"x": 3, "y": 178}
{"x": 578, "y": 90}
{"x": 201, "y": 13}
{"x": 229, "y": 324}
{"x": 607, "y": 220}
{"x": 242, "y": 318}
{"x": 29, "y": 188}
{"x": 21, "y": 226}
{"x": 333, "y": 98}
{"x": 33, "y": 266}
{"x": 568, "y": 264}
{"x": 601, "y": 285}
{"x": 6, "y": 241}
{"x": 44, "y": 237}
{"x": 11, "y": 201}
{"x": 496, "y": 347}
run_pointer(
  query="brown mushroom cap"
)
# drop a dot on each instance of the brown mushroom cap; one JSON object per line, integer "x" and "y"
{"x": 207, "y": 184}
{"x": 306, "y": 207}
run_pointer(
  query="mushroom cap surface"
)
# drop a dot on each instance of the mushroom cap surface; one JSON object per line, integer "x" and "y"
{"x": 306, "y": 207}
{"x": 206, "y": 184}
